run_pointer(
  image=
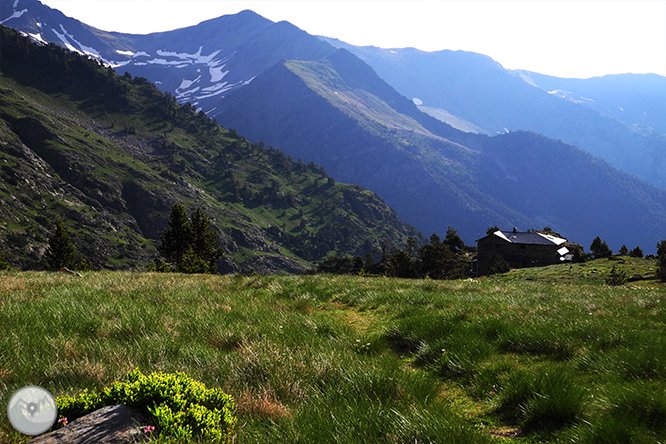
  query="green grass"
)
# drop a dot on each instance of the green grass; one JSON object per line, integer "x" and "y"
{"x": 352, "y": 359}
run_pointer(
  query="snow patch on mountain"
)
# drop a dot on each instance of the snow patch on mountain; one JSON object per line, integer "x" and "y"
{"x": 568, "y": 95}
{"x": 38, "y": 38}
{"x": 65, "y": 37}
{"x": 180, "y": 55}
{"x": 176, "y": 63}
{"x": 217, "y": 74}
{"x": 16, "y": 14}
{"x": 187, "y": 83}
{"x": 196, "y": 58}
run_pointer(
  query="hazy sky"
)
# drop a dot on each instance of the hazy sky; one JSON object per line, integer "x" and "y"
{"x": 565, "y": 38}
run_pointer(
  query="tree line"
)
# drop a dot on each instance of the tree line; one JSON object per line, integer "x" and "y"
{"x": 437, "y": 259}
{"x": 191, "y": 245}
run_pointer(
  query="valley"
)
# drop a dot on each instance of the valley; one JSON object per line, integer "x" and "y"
{"x": 232, "y": 68}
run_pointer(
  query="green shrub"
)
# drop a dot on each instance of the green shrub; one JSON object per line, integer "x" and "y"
{"x": 499, "y": 266}
{"x": 83, "y": 265}
{"x": 616, "y": 277}
{"x": 4, "y": 265}
{"x": 180, "y": 407}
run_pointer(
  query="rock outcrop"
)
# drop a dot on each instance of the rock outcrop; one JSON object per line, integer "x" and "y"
{"x": 116, "y": 424}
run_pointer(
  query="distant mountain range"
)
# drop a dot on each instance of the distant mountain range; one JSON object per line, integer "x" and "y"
{"x": 619, "y": 118}
{"x": 359, "y": 112}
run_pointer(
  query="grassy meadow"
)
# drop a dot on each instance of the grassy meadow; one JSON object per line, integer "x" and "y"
{"x": 551, "y": 355}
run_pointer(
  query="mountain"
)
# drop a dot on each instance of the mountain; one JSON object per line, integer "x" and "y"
{"x": 474, "y": 93}
{"x": 638, "y": 100}
{"x": 342, "y": 115}
{"x": 352, "y": 112}
{"x": 111, "y": 155}
{"x": 198, "y": 64}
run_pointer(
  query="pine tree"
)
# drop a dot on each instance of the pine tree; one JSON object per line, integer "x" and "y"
{"x": 176, "y": 241}
{"x": 636, "y": 252}
{"x": 60, "y": 252}
{"x": 400, "y": 265}
{"x": 600, "y": 248}
{"x": 661, "y": 261}
{"x": 453, "y": 241}
{"x": 431, "y": 256}
{"x": 192, "y": 263}
{"x": 439, "y": 262}
{"x": 205, "y": 239}
{"x": 623, "y": 250}
{"x": 191, "y": 243}
{"x": 411, "y": 246}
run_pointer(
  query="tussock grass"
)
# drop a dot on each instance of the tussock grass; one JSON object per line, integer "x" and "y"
{"x": 349, "y": 359}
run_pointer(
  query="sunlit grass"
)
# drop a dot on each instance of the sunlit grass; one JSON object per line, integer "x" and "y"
{"x": 352, "y": 359}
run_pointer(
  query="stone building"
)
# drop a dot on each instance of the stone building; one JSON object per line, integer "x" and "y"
{"x": 520, "y": 250}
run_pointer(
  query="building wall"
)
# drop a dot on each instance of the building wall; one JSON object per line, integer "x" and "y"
{"x": 517, "y": 255}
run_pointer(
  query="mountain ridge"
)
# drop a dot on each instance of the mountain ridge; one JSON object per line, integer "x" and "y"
{"x": 111, "y": 155}
{"x": 432, "y": 181}
{"x": 475, "y": 88}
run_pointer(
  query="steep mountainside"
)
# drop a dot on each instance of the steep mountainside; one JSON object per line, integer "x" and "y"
{"x": 111, "y": 155}
{"x": 339, "y": 115}
{"x": 473, "y": 88}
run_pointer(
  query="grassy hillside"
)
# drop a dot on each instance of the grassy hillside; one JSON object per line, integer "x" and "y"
{"x": 111, "y": 155}
{"x": 353, "y": 359}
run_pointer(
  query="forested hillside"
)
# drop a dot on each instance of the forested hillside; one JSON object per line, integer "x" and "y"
{"x": 111, "y": 155}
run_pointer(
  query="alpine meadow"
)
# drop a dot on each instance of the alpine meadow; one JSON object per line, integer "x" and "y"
{"x": 237, "y": 232}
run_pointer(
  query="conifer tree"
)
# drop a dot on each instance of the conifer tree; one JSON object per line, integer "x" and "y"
{"x": 176, "y": 241}
{"x": 453, "y": 240}
{"x": 400, "y": 264}
{"x": 60, "y": 252}
{"x": 600, "y": 248}
{"x": 205, "y": 239}
{"x": 661, "y": 260}
{"x": 491, "y": 230}
{"x": 636, "y": 252}
{"x": 191, "y": 243}
{"x": 411, "y": 246}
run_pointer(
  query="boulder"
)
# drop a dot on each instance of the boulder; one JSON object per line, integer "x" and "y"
{"x": 116, "y": 424}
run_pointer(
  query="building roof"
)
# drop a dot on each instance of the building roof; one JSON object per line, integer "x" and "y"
{"x": 518, "y": 237}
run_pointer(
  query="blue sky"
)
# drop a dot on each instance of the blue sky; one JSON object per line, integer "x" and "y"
{"x": 565, "y": 38}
